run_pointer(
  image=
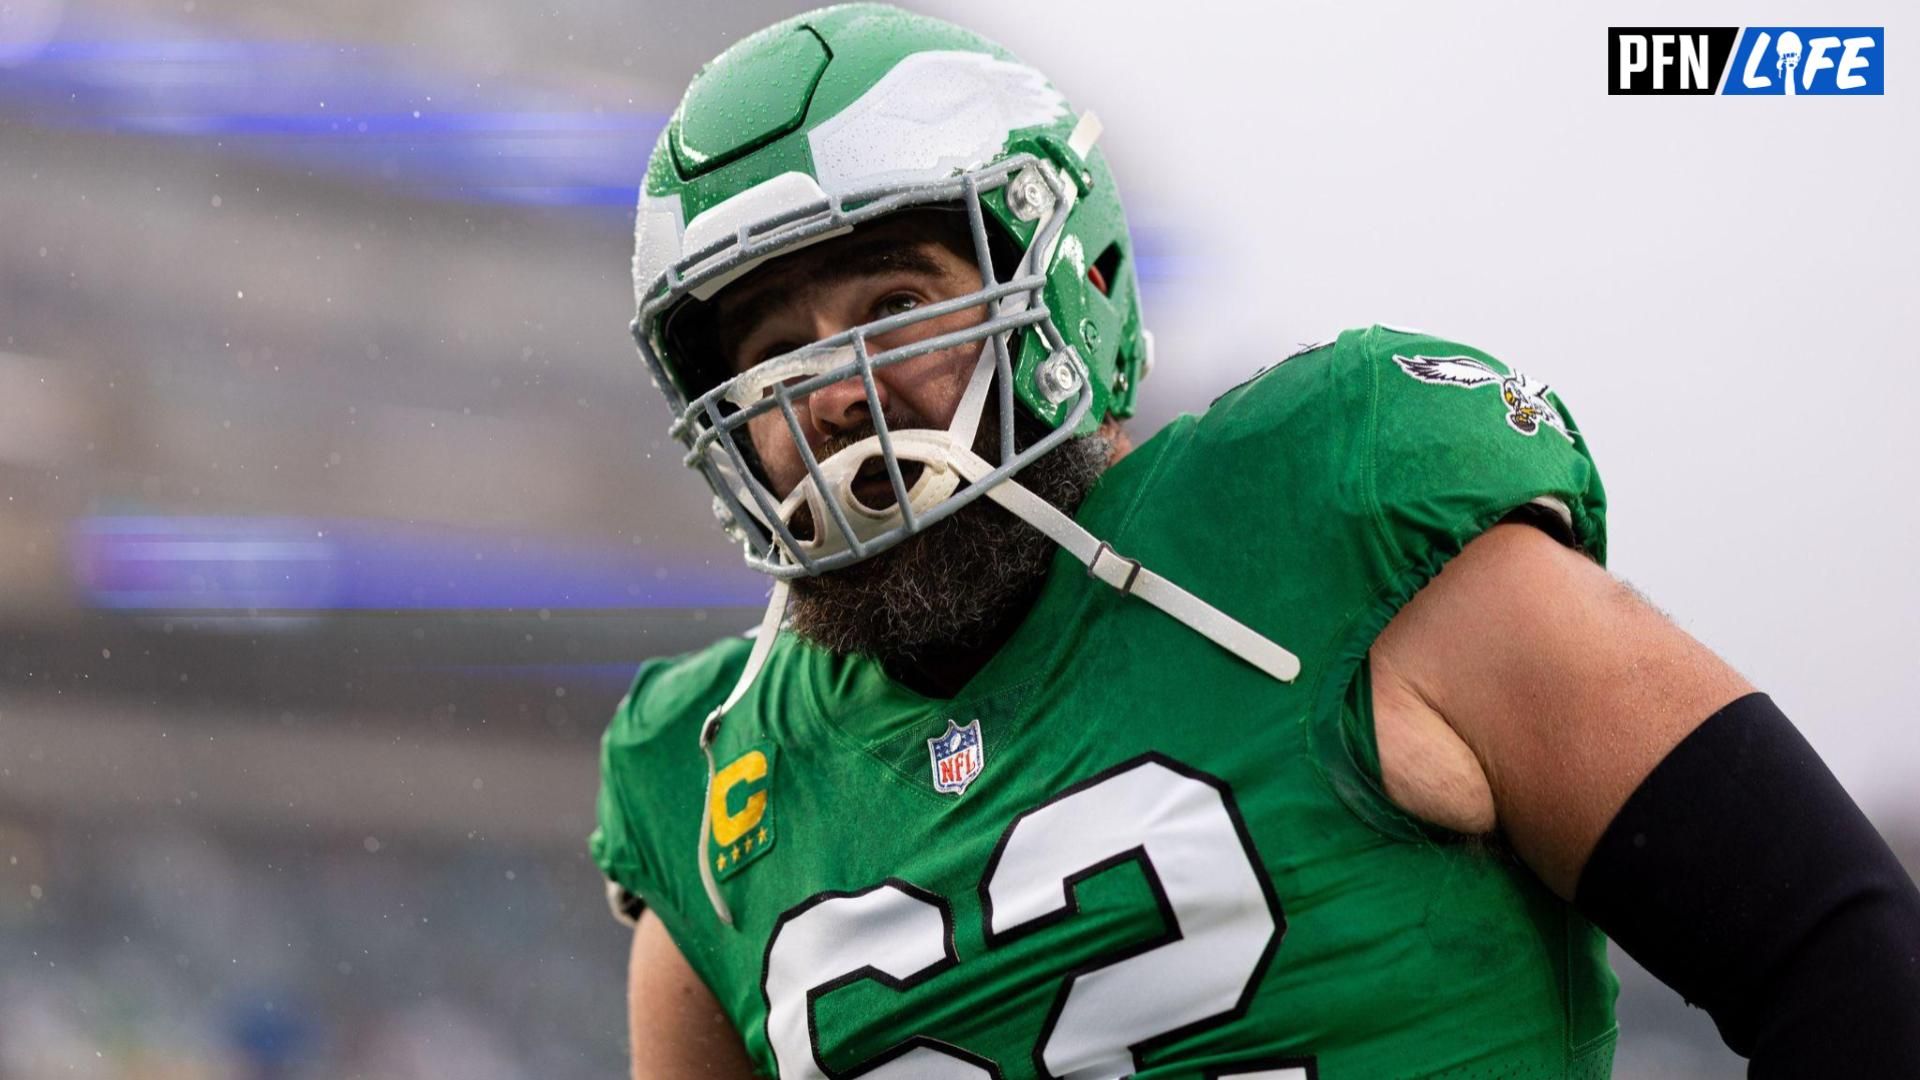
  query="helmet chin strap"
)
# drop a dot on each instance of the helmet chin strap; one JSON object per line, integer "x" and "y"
{"x": 1132, "y": 579}
{"x": 952, "y": 450}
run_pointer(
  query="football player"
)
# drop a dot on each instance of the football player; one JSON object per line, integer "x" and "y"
{"x": 1306, "y": 738}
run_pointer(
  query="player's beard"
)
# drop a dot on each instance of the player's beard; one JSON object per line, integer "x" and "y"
{"x": 964, "y": 583}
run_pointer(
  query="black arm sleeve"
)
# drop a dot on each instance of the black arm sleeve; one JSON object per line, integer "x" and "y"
{"x": 1741, "y": 875}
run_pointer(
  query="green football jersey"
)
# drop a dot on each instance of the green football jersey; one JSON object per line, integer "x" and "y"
{"x": 1121, "y": 850}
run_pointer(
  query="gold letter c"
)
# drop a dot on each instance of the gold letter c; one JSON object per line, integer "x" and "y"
{"x": 730, "y": 827}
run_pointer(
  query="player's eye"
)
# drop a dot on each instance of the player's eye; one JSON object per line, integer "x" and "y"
{"x": 896, "y": 304}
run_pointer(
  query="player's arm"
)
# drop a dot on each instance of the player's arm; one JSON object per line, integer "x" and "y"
{"x": 676, "y": 1026}
{"x": 1639, "y": 776}
{"x": 1567, "y": 687}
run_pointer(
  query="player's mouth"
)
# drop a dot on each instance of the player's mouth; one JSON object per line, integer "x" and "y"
{"x": 871, "y": 489}
{"x": 874, "y": 490}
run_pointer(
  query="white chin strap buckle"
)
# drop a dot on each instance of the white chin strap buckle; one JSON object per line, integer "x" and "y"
{"x": 1120, "y": 579}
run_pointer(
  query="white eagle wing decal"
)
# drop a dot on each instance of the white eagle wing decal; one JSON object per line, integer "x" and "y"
{"x": 1453, "y": 370}
{"x": 1528, "y": 409}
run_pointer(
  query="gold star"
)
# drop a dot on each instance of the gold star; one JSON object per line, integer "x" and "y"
{"x": 763, "y": 834}
{"x": 721, "y": 862}
{"x": 736, "y": 853}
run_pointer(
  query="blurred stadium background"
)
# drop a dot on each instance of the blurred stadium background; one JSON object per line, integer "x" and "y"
{"x": 335, "y": 512}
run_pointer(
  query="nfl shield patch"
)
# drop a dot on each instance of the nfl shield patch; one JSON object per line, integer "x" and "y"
{"x": 958, "y": 756}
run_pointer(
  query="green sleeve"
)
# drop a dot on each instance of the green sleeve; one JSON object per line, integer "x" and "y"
{"x": 1458, "y": 441}
{"x": 653, "y": 778}
{"x": 616, "y": 842}
{"x": 1453, "y": 441}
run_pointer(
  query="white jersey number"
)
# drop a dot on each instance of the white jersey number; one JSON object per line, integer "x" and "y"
{"x": 894, "y": 933}
{"x": 1223, "y": 924}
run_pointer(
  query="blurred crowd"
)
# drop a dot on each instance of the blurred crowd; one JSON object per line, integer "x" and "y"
{"x": 149, "y": 949}
{"x": 324, "y": 540}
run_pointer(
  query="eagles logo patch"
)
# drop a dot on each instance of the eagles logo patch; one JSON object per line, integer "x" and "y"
{"x": 1527, "y": 405}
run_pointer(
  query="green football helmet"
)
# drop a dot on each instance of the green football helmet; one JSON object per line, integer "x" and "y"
{"x": 829, "y": 120}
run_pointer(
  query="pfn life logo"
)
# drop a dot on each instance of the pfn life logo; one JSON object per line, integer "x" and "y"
{"x": 1790, "y": 61}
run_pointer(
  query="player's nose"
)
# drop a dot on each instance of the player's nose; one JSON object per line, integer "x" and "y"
{"x": 843, "y": 406}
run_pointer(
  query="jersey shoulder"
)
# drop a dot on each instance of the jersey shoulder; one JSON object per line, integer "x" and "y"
{"x": 1428, "y": 439}
{"x": 670, "y": 696}
{"x": 651, "y": 766}
{"x": 1462, "y": 439}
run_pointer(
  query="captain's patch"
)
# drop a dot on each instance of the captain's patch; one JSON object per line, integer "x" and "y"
{"x": 1526, "y": 401}
{"x": 737, "y": 805}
